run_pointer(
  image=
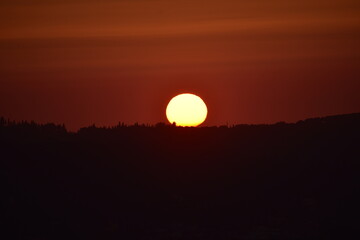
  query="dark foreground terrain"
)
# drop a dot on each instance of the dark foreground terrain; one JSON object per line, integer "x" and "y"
{"x": 281, "y": 181}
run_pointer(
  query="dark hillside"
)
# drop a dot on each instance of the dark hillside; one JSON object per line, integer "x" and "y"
{"x": 280, "y": 181}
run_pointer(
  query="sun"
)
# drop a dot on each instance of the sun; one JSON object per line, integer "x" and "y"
{"x": 186, "y": 110}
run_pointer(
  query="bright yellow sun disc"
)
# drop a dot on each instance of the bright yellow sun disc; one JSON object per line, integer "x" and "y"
{"x": 187, "y": 110}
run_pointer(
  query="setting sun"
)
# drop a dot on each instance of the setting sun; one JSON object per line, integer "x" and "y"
{"x": 186, "y": 110}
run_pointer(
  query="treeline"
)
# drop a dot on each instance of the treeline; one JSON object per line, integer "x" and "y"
{"x": 337, "y": 119}
{"x": 280, "y": 181}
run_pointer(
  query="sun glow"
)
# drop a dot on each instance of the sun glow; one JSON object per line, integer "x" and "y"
{"x": 187, "y": 110}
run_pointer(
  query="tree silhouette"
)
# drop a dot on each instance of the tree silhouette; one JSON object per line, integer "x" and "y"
{"x": 281, "y": 181}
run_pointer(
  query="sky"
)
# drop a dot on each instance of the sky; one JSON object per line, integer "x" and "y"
{"x": 82, "y": 62}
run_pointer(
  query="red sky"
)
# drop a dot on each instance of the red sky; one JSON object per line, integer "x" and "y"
{"x": 81, "y": 62}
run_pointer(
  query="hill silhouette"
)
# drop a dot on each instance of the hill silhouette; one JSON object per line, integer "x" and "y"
{"x": 280, "y": 181}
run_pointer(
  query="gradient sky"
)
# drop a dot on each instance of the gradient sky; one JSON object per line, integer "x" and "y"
{"x": 81, "y": 62}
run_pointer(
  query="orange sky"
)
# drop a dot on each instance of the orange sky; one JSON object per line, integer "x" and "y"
{"x": 80, "y": 62}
